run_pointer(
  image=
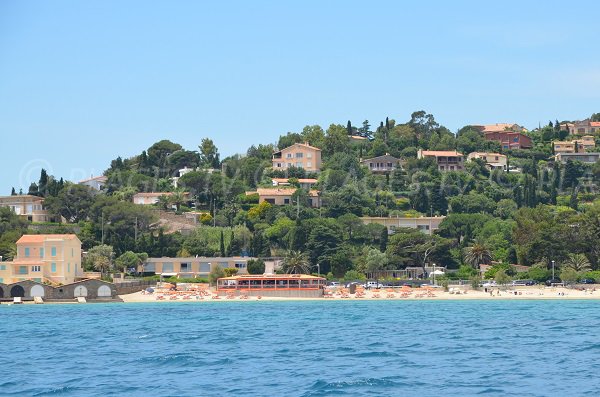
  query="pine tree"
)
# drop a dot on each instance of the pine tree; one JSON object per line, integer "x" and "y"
{"x": 222, "y": 245}
{"x": 383, "y": 239}
{"x": 349, "y": 128}
{"x": 43, "y": 183}
{"x": 33, "y": 189}
{"x": 573, "y": 201}
{"x": 438, "y": 201}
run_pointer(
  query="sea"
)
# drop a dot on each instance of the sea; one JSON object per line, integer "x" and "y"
{"x": 302, "y": 348}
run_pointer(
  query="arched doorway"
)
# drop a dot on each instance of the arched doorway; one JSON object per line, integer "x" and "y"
{"x": 80, "y": 290}
{"x": 1, "y": 293}
{"x": 104, "y": 291}
{"x": 37, "y": 290}
{"x": 17, "y": 290}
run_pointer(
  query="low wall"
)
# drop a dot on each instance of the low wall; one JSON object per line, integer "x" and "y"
{"x": 89, "y": 289}
{"x": 312, "y": 293}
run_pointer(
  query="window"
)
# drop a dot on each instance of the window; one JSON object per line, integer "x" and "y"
{"x": 36, "y": 269}
{"x": 53, "y": 267}
{"x": 2, "y": 267}
{"x": 298, "y": 164}
{"x": 53, "y": 251}
{"x": 240, "y": 265}
{"x": 516, "y": 139}
{"x": 204, "y": 267}
{"x": 289, "y": 156}
{"x": 1, "y": 280}
{"x": 309, "y": 164}
{"x": 23, "y": 270}
{"x": 278, "y": 165}
{"x": 167, "y": 267}
{"x": 286, "y": 201}
{"x": 299, "y": 155}
{"x": 185, "y": 267}
{"x": 41, "y": 252}
{"x": 26, "y": 252}
{"x": 150, "y": 267}
{"x": 309, "y": 155}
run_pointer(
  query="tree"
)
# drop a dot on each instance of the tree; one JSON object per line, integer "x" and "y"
{"x": 411, "y": 246}
{"x": 230, "y": 271}
{"x": 130, "y": 259}
{"x": 100, "y": 258}
{"x": 73, "y": 203}
{"x": 216, "y": 273}
{"x": 222, "y": 244}
{"x": 256, "y": 266}
{"x": 295, "y": 262}
{"x": 375, "y": 261}
{"x": 43, "y": 183}
{"x": 13, "y": 192}
{"x": 501, "y": 277}
{"x": 383, "y": 239}
{"x": 477, "y": 254}
{"x": 209, "y": 154}
{"x": 577, "y": 262}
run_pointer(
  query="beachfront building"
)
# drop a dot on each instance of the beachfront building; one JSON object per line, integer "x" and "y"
{"x": 494, "y": 161}
{"x": 426, "y": 224}
{"x": 95, "y": 182}
{"x": 588, "y": 158}
{"x": 27, "y": 206}
{"x": 305, "y": 183}
{"x": 283, "y": 196}
{"x": 193, "y": 266}
{"x": 299, "y": 155}
{"x": 584, "y": 127}
{"x": 153, "y": 198}
{"x": 381, "y": 164}
{"x": 283, "y": 285}
{"x": 53, "y": 258}
{"x": 446, "y": 160}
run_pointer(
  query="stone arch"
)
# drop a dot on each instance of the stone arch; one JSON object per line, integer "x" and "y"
{"x": 17, "y": 290}
{"x": 80, "y": 290}
{"x": 104, "y": 291}
{"x": 37, "y": 290}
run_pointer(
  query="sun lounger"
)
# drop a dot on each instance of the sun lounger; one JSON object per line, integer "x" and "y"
{"x": 17, "y": 300}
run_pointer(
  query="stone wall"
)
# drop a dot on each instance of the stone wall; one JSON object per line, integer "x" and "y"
{"x": 89, "y": 289}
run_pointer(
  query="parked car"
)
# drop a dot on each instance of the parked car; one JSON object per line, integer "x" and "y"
{"x": 333, "y": 284}
{"x": 489, "y": 283}
{"x": 588, "y": 281}
{"x": 353, "y": 283}
{"x": 552, "y": 281}
{"x": 373, "y": 284}
{"x": 521, "y": 283}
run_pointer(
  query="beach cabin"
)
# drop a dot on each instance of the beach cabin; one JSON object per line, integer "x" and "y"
{"x": 280, "y": 285}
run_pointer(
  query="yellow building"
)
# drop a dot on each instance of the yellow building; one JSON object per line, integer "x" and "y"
{"x": 494, "y": 161}
{"x": 299, "y": 155}
{"x": 193, "y": 266}
{"x": 26, "y": 206}
{"x": 54, "y": 258}
{"x": 426, "y": 224}
{"x": 581, "y": 145}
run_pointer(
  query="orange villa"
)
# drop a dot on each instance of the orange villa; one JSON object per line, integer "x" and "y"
{"x": 299, "y": 155}
{"x": 283, "y": 196}
{"x": 446, "y": 160}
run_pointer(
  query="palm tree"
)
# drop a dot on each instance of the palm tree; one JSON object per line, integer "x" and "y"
{"x": 578, "y": 262}
{"x": 295, "y": 262}
{"x": 177, "y": 199}
{"x": 477, "y": 254}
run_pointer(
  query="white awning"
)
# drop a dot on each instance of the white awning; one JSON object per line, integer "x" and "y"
{"x": 168, "y": 274}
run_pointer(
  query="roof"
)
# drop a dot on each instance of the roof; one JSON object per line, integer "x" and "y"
{"x": 22, "y": 196}
{"x": 198, "y": 259}
{"x": 100, "y": 178}
{"x": 385, "y": 156}
{"x": 474, "y": 154}
{"x": 152, "y": 194}
{"x": 271, "y": 276}
{"x": 306, "y": 145}
{"x": 440, "y": 153}
{"x": 595, "y": 123}
{"x": 281, "y": 192}
{"x": 498, "y": 127}
{"x": 40, "y": 238}
{"x": 301, "y": 180}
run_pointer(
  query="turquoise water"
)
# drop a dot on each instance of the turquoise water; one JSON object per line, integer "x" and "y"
{"x": 315, "y": 348}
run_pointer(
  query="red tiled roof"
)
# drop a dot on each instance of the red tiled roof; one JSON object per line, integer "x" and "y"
{"x": 40, "y": 238}
{"x": 441, "y": 153}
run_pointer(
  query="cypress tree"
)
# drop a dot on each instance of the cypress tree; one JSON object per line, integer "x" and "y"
{"x": 13, "y": 192}
{"x": 349, "y": 127}
{"x": 43, "y": 183}
{"x": 222, "y": 245}
{"x": 383, "y": 239}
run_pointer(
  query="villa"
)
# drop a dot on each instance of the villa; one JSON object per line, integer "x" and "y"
{"x": 299, "y": 155}
{"x": 426, "y": 224}
{"x": 283, "y": 196}
{"x": 582, "y": 145}
{"x": 588, "y": 158}
{"x": 27, "y": 206}
{"x": 584, "y": 127}
{"x": 153, "y": 198}
{"x": 54, "y": 258}
{"x": 305, "y": 183}
{"x": 96, "y": 183}
{"x": 494, "y": 161}
{"x": 446, "y": 160}
{"x": 382, "y": 164}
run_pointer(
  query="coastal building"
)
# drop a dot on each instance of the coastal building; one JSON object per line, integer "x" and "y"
{"x": 282, "y": 285}
{"x": 54, "y": 258}
{"x": 510, "y": 136}
{"x": 193, "y": 266}
{"x": 27, "y": 206}
{"x": 283, "y": 196}
{"x": 584, "y": 127}
{"x": 582, "y": 145}
{"x": 588, "y": 158}
{"x": 446, "y": 160}
{"x": 499, "y": 127}
{"x": 305, "y": 183}
{"x": 96, "y": 183}
{"x": 426, "y": 224}
{"x": 382, "y": 164}
{"x": 494, "y": 161}
{"x": 153, "y": 198}
{"x": 299, "y": 155}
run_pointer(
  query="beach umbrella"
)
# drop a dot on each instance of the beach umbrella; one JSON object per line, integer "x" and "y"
{"x": 150, "y": 290}
{"x": 436, "y": 273}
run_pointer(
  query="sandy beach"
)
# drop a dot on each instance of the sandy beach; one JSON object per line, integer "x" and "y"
{"x": 518, "y": 293}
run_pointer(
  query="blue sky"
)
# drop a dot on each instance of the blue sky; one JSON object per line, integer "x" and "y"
{"x": 82, "y": 82}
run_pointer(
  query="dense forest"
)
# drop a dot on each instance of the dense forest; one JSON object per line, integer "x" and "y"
{"x": 546, "y": 212}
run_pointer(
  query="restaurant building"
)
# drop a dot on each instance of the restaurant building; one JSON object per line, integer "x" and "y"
{"x": 280, "y": 285}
